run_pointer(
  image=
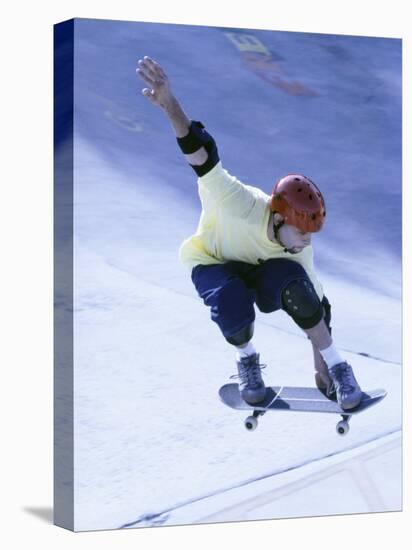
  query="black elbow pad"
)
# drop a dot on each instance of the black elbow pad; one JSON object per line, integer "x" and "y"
{"x": 196, "y": 138}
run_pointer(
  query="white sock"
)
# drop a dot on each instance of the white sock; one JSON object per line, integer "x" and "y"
{"x": 331, "y": 356}
{"x": 245, "y": 351}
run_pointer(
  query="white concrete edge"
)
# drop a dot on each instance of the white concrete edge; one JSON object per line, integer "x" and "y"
{"x": 237, "y": 502}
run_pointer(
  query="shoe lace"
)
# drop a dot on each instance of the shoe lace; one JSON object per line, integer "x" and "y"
{"x": 343, "y": 376}
{"x": 249, "y": 371}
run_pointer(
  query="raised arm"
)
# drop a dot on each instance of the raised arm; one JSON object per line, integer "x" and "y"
{"x": 198, "y": 147}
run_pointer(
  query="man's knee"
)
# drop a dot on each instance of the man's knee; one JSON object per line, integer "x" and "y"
{"x": 241, "y": 337}
{"x": 300, "y": 301}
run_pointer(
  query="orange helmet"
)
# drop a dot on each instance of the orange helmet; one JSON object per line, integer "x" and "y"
{"x": 300, "y": 202}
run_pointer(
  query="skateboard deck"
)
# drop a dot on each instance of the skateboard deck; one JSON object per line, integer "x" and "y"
{"x": 297, "y": 399}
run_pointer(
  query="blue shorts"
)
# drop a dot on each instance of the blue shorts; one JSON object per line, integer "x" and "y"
{"x": 231, "y": 289}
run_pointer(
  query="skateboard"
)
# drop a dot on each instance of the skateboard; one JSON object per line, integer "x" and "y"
{"x": 297, "y": 399}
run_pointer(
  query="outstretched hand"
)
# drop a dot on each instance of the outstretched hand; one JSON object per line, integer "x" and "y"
{"x": 154, "y": 76}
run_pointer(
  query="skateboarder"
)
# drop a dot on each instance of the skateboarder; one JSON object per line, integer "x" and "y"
{"x": 251, "y": 248}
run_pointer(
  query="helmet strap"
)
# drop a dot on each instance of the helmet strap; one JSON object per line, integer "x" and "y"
{"x": 276, "y": 227}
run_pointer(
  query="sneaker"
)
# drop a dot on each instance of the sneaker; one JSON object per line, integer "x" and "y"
{"x": 251, "y": 386}
{"x": 348, "y": 392}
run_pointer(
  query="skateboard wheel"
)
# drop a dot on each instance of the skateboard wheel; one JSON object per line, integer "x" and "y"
{"x": 251, "y": 423}
{"x": 342, "y": 427}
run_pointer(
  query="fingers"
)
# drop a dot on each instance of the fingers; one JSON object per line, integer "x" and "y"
{"x": 145, "y": 76}
{"x": 147, "y": 67}
{"x": 150, "y": 71}
{"x": 154, "y": 76}
{"x": 156, "y": 68}
{"x": 153, "y": 65}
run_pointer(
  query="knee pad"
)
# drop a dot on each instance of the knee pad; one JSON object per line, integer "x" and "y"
{"x": 241, "y": 337}
{"x": 196, "y": 138}
{"x": 300, "y": 301}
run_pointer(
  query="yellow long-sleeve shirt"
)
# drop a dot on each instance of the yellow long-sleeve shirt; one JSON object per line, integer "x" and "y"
{"x": 233, "y": 226}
